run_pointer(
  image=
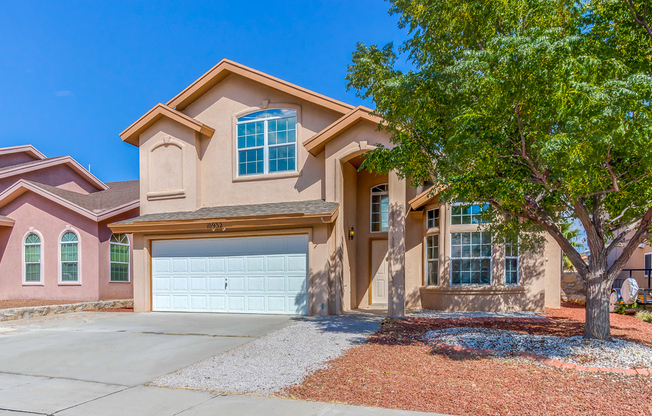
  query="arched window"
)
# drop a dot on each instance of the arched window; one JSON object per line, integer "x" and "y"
{"x": 32, "y": 258}
{"x": 379, "y": 208}
{"x": 69, "y": 249}
{"x": 119, "y": 249}
{"x": 267, "y": 142}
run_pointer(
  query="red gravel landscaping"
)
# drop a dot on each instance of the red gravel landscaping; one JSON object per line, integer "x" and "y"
{"x": 396, "y": 369}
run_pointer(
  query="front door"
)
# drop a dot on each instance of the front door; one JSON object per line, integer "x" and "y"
{"x": 379, "y": 272}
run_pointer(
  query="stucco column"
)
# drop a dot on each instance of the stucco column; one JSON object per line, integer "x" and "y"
{"x": 396, "y": 240}
{"x": 141, "y": 275}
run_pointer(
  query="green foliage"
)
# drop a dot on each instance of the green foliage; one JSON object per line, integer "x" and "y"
{"x": 539, "y": 108}
{"x": 644, "y": 316}
{"x": 622, "y": 308}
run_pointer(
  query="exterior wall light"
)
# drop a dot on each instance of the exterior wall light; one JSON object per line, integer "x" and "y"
{"x": 351, "y": 233}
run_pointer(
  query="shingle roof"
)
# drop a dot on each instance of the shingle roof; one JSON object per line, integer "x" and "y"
{"x": 314, "y": 207}
{"x": 31, "y": 162}
{"x": 118, "y": 194}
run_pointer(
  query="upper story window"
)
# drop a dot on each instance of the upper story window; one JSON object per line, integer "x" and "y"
{"x": 119, "y": 251}
{"x": 467, "y": 214}
{"x": 32, "y": 259}
{"x": 511, "y": 263}
{"x": 432, "y": 218}
{"x": 379, "y": 208}
{"x": 267, "y": 142}
{"x": 69, "y": 257}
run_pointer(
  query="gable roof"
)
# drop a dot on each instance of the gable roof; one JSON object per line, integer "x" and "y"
{"x": 119, "y": 197}
{"x": 227, "y": 67}
{"x": 131, "y": 133}
{"x": 21, "y": 168}
{"x": 317, "y": 143}
{"x": 25, "y": 148}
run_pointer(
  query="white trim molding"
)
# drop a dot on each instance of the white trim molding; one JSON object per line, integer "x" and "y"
{"x": 78, "y": 282}
{"x": 23, "y": 263}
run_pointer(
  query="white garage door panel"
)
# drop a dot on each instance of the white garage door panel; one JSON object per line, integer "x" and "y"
{"x": 240, "y": 275}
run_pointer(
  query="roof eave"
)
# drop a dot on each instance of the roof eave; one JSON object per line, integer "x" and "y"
{"x": 317, "y": 143}
{"x": 227, "y": 67}
{"x": 23, "y": 148}
{"x": 7, "y": 222}
{"x": 132, "y": 133}
{"x": 289, "y": 219}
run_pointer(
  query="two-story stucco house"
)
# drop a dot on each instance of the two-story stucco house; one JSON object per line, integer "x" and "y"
{"x": 252, "y": 202}
{"x": 54, "y": 240}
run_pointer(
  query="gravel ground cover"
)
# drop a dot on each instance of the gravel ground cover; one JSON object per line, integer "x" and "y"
{"x": 396, "y": 368}
{"x": 277, "y": 360}
{"x": 427, "y": 313}
{"x": 575, "y": 350}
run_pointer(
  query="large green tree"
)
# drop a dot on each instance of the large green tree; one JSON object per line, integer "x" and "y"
{"x": 540, "y": 108}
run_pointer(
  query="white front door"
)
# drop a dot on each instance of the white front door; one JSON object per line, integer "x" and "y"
{"x": 380, "y": 272}
{"x": 240, "y": 275}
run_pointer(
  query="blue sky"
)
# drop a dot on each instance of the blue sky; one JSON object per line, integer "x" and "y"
{"x": 74, "y": 74}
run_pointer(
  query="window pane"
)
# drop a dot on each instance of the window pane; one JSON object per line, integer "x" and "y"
{"x": 433, "y": 272}
{"x": 69, "y": 252}
{"x": 33, "y": 253}
{"x": 119, "y": 253}
{"x": 471, "y": 258}
{"x": 250, "y": 162}
{"x": 269, "y": 113}
{"x": 119, "y": 272}
{"x": 433, "y": 218}
{"x": 32, "y": 239}
{"x": 69, "y": 272}
{"x": 281, "y": 158}
{"x": 461, "y": 214}
{"x": 69, "y": 237}
{"x": 32, "y": 272}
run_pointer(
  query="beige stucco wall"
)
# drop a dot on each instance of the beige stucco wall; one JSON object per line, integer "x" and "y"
{"x": 339, "y": 268}
{"x": 539, "y": 276}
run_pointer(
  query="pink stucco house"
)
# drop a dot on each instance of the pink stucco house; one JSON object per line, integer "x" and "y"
{"x": 54, "y": 239}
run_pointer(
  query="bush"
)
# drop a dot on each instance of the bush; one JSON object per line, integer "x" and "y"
{"x": 622, "y": 308}
{"x": 644, "y": 316}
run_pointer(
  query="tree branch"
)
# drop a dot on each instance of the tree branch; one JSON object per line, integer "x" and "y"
{"x": 641, "y": 20}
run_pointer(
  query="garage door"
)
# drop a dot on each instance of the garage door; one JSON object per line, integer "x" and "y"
{"x": 238, "y": 275}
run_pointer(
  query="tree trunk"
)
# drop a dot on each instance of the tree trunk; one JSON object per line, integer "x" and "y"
{"x": 597, "y": 307}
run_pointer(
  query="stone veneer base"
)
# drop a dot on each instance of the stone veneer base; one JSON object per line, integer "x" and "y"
{"x": 13, "y": 314}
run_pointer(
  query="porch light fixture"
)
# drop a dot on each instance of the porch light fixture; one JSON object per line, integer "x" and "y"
{"x": 351, "y": 233}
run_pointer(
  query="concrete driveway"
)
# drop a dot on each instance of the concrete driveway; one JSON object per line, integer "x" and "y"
{"x": 98, "y": 363}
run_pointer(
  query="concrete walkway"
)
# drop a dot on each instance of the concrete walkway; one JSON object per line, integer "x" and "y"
{"x": 98, "y": 363}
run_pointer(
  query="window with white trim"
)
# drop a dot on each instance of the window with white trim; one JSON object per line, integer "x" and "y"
{"x": 471, "y": 258}
{"x": 647, "y": 264}
{"x": 119, "y": 252}
{"x": 432, "y": 259}
{"x": 379, "y": 208}
{"x": 511, "y": 263}
{"x": 69, "y": 257}
{"x": 267, "y": 142}
{"x": 32, "y": 258}
{"x": 467, "y": 214}
{"x": 432, "y": 218}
